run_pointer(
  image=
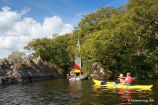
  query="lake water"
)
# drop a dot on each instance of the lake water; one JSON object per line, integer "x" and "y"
{"x": 63, "y": 92}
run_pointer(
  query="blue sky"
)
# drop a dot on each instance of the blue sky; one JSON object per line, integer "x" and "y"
{"x": 23, "y": 20}
{"x": 69, "y": 10}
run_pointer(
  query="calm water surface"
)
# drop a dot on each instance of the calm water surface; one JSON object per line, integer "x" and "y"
{"x": 63, "y": 92}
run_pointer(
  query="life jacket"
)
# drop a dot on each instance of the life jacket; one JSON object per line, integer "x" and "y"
{"x": 129, "y": 80}
{"x": 122, "y": 79}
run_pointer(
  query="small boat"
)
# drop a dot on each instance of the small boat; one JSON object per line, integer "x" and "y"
{"x": 77, "y": 65}
{"x": 121, "y": 86}
{"x": 76, "y": 78}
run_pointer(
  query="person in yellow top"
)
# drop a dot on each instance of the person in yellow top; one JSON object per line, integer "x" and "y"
{"x": 120, "y": 80}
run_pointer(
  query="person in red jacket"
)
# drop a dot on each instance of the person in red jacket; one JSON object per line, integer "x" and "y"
{"x": 128, "y": 79}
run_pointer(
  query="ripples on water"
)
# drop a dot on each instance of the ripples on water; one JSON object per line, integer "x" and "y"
{"x": 63, "y": 92}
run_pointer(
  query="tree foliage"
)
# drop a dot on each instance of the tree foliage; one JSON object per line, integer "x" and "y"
{"x": 122, "y": 39}
{"x": 53, "y": 50}
{"x": 16, "y": 55}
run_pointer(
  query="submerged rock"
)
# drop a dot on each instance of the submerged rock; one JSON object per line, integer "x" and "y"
{"x": 12, "y": 71}
{"x": 99, "y": 72}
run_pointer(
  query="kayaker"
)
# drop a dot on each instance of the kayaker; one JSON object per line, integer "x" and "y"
{"x": 128, "y": 79}
{"x": 121, "y": 79}
{"x": 72, "y": 74}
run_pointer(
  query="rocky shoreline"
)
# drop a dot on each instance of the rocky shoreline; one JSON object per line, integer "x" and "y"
{"x": 26, "y": 70}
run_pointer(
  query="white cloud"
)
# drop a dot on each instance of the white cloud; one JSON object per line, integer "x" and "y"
{"x": 16, "y": 29}
{"x": 7, "y": 19}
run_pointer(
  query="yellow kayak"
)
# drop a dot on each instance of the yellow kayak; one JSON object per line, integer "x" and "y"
{"x": 120, "y": 86}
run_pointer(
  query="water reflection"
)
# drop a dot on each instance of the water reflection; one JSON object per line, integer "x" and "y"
{"x": 74, "y": 90}
{"x": 62, "y": 92}
{"x": 126, "y": 96}
{"x": 18, "y": 94}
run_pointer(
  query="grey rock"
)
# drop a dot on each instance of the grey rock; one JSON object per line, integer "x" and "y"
{"x": 12, "y": 71}
{"x": 99, "y": 72}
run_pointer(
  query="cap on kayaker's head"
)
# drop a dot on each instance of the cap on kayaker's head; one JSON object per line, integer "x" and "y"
{"x": 128, "y": 74}
{"x": 121, "y": 75}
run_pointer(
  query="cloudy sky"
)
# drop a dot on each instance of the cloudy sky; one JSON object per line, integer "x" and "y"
{"x": 22, "y": 20}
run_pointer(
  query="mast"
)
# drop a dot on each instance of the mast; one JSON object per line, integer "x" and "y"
{"x": 78, "y": 46}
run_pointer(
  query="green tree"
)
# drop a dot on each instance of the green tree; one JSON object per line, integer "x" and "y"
{"x": 56, "y": 50}
{"x": 122, "y": 39}
{"x": 16, "y": 55}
